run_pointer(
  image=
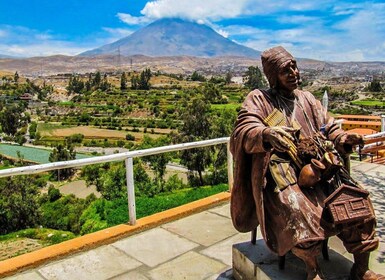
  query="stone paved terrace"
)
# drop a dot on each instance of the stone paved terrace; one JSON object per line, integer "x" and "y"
{"x": 197, "y": 246}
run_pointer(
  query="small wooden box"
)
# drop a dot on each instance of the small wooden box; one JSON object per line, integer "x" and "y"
{"x": 348, "y": 204}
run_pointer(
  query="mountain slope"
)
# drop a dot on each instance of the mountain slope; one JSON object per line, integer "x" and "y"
{"x": 175, "y": 37}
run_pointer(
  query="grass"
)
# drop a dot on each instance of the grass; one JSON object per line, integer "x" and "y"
{"x": 50, "y": 127}
{"x": 28, "y": 240}
{"x": 369, "y": 103}
{"x": 230, "y": 106}
{"x": 146, "y": 206}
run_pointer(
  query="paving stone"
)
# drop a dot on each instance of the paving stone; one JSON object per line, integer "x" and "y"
{"x": 222, "y": 250}
{"x": 133, "y": 275}
{"x": 190, "y": 266}
{"x": 204, "y": 228}
{"x": 377, "y": 259}
{"x": 362, "y": 167}
{"x": 223, "y": 210}
{"x": 101, "y": 263}
{"x": 155, "y": 246}
{"x": 32, "y": 275}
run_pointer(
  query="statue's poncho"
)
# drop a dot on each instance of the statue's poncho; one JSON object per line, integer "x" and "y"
{"x": 290, "y": 216}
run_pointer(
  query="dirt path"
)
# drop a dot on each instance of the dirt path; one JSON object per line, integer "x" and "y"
{"x": 17, "y": 247}
{"x": 79, "y": 189}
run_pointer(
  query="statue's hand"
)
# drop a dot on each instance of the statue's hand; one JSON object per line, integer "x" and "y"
{"x": 346, "y": 143}
{"x": 352, "y": 139}
{"x": 277, "y": 137}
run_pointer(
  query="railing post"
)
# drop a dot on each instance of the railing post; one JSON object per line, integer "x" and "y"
{"x": 130, "y": 190}
{"x": 230, "y": 167}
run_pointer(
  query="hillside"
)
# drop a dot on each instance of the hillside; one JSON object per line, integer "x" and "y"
{"x": 174, "y": 37}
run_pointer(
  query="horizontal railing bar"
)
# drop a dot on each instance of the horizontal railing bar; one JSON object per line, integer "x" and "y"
{"x": 370, "y": 136}
{"x": 33, "y": 169}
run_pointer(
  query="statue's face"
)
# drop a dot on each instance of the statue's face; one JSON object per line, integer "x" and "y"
{"x": 288, "y": 76}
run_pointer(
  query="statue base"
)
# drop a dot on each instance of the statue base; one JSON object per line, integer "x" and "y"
{"x": 257, "y": 262}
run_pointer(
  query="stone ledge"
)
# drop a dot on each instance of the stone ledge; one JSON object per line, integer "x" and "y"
{"x": 257, "y": 262}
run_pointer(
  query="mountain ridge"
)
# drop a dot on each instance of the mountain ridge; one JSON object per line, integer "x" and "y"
{"x": 174, "y": 37}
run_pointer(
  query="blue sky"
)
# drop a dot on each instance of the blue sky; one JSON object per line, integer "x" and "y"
{"x": 335, "y": 30}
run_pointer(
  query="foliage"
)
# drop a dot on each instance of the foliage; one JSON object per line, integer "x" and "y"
{"x": 123, "y": 81}
{"x": 130, "y": 137}
{"x": 16, "y": 77}
{"x": 143, "y": 81}
{"x": 18, "y": 203}
{"x": 197, "y": 77}
{"x": 76, "y": 138}
{"x": 211, "y": 93}
{"x": 375, "y": 86}
{"x": 157, "y": 162}
{"x": 53, "y": 194}
{"x": 47, "y": 236}
{"x": 102, "y": 213}
{"x": 62, "y": 153}
{"x": 228, "y": 77}
{"x": 113, "y": 182}
{"x": 253, "y": 78}
{"x": 196, "y": 127}
{"x": 63, "y": 213}
{"x": 12, "y": 118}
{"x": 32, "y": 130}
{"x": 143, "y": 184}
{"x": 75, "y": 84}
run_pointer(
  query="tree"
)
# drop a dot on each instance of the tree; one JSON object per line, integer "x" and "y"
{"x": 75, "y": 84}
{"x": 97, "y": 80}
{"x": 253, "y": 78}
{"x": 375, "y": 86}
{"x": 16, "y": 77}
{"x": 143, "y": 81}
{"x": 211, "y": 92}
{"x": 196, "y": 126}
{"x": 12, "y": 118}
{"x": 62, "y": 153}
{"x": 105, "y": 85}
{"x": 19, "y": 207}
{"x": 113, "y": 182}
{"x": 157, "y": 162}
{"x": 195, "y": 76}
{"x": 222, "y": 124}
{"x": 123, "y": 81}
{"x": 228, "y": 77}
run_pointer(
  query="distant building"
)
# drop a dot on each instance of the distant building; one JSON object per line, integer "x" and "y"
{"x": 237, "y": 80}
{"x": 372, "y": 123}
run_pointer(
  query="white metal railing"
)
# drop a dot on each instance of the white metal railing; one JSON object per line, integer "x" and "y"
{"x": 128, "y": 158}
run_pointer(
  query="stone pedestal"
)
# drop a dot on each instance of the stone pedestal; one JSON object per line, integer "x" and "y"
{"x": 257, "y": 262}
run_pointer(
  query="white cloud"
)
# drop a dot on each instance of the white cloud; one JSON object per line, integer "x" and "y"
{"x": 131, "y": 20}
{"x": 357, "y": 34}
{"x": 222, "y": 32}
{"x": 195, "y": 9}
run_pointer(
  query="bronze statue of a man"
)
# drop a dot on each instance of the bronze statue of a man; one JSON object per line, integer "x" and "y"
{"x": 266, "y": 190}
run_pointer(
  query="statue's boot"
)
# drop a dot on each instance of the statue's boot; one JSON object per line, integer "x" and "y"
{"x": 360, "y": 269}
{"x": 309, "y": 257}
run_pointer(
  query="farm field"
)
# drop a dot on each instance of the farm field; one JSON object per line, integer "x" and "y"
{"x": 57, "y": 131}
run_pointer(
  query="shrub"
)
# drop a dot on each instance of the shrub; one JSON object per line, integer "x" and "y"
{"x": 130, "y": 137}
